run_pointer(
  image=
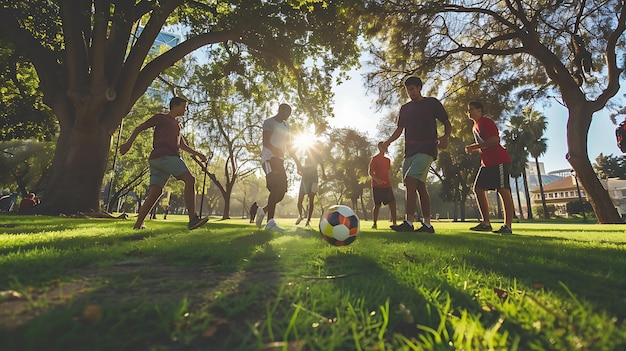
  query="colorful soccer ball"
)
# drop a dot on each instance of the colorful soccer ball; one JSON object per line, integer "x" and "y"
{"x": 339, "y": 225}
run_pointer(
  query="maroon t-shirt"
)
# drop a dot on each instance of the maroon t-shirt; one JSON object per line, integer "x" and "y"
{"x": 418, "y": 118}
{"x": 484, "y": 129}
{"x": 166, "y": 139}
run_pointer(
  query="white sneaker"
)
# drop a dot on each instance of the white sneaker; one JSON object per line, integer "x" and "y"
{"x": 271, "y": 225}
{"x": 260, "y": 214}
{"x": 300, "y": 218}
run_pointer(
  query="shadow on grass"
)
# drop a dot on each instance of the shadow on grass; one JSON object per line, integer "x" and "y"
{"x": 542, "y": 262}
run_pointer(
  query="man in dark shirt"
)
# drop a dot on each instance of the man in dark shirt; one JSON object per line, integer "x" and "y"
{"x": 418, "y": 119}
{"x": 165, "y": 160}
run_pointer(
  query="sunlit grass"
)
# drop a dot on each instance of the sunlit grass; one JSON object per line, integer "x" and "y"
{"x": 230, "y": 286}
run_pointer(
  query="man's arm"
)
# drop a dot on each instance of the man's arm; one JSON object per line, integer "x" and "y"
{"x": 494, "y": 140}
{"x": 396, "y": 134}
{"x": 185, "y": 147}
{"x": 140, "y": 128}
{"x": 442, "y": 141}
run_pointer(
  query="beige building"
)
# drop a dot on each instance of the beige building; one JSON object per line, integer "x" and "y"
{"x": 564, "y": 190}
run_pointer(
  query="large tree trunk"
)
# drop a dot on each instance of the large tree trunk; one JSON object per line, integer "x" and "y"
{"x": 577, "y": 131}
{"x": 78, "y": 168}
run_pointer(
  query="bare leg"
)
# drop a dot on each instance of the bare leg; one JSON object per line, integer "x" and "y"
{"x": 507, "y": 199}
{"x": 375, "y": 213}
{"x": 411, "y": 198}
{"x": 392, "y": 208}
{"x": 424, "y": 200}
{"x": 153, "y": 195}
{"x": 311, "y": 203}
{"x": 483, "y": 205}
{"x": 300, "y": 207}
{"x": 190, "y": 193}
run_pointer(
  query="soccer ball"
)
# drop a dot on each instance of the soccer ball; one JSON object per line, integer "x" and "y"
{"x": 339, "y": 225}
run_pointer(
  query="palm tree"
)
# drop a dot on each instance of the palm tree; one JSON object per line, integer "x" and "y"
{"x": 536, "y": 125}
{"x": 516, "y": 140}
{"x": 519, "y": 156}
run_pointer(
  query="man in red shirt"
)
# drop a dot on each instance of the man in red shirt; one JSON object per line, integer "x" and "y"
{"x": 495, "y": 169}
{"x": 165, "y": 160}
{"x": 381, "y": 183}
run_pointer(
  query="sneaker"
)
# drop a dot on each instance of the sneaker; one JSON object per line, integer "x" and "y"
{"x": 482, "y": 227}
{"x": 300, "y": 218}
{"x": 426, "y": 229}
{"x": 260, "y": 214}
{"x": 197, "y": 222}
{"x": 271, "y": 225}
{"x": 504, "y": 230}
{"x": 404, "y": 227}
{"x": 374, "y": 226}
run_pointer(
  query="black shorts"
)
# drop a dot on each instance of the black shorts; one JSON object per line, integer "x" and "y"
{"x": 275, "y": 175}
{"x": 383, "y": 195}
{"x": 495, "y": 177}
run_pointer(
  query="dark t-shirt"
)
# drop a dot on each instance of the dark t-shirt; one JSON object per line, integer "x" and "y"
{"x": 166, "y": 139}
{"x": 418, "y": 118}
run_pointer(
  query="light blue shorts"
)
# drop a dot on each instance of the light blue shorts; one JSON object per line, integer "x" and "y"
{"x": 417, "y": 166}
{"x": 161, "y": 168}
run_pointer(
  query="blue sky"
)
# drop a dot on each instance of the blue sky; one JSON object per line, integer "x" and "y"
{"x": 352, "y": 104}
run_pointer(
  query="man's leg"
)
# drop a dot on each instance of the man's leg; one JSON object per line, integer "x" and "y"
{"x": 153, "y": 195}
{"x": 189, "y": 193}
{"x": 424, "y": 201}
{"x": 507, "y": 200}
{"x": 483, "y": 204}
{"x": 375, "y": 213}
{"x": 311, "y": 206}
{"x": 411, "y": 197}
{"x": 392, "y": 209}
{"x": 300, "y": 207}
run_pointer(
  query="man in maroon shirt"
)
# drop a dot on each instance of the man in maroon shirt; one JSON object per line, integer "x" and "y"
{"x": 495, "y": 169}
{"x": 418, "y": 119}
{"x": 165, "y": 160}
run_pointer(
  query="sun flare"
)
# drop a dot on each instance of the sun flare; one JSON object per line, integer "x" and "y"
{"x": 303, "y": 141}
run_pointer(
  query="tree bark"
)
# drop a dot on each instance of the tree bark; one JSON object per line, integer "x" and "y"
{"x": 78, "y": 168}
{"x": 529, "y": 208}
{"x": 577, "y": 132}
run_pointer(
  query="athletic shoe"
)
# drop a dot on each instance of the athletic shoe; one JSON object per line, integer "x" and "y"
{"x": 300, "y": 218}
{"x": 374, "y": 226}
{"x": 482, "y": 227}
{"x": 260, "y": 214}
{"x": 197, "y": 222}
{"x": 271, "y": 225}
{"x": 404, "y": 227}
{"x": 504, "y": 230}
{"x": 426, "y": 229}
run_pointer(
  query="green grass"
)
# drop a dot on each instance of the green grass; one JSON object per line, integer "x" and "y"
{"x": 228, "y": 286}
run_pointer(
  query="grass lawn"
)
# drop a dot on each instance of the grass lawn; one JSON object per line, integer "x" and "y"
{"x": 96, "y": 284}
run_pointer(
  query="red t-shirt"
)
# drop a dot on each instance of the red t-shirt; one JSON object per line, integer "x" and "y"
{"x": 166, "y": 139}
{"x": 484, "y": 129}
{"x": 379, "y": 166}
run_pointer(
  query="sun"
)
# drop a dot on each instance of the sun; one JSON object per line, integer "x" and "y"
{"x": 303, "y": 141}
